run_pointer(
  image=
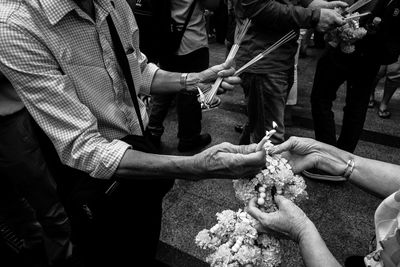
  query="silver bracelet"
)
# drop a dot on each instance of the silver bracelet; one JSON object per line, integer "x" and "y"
{"x": 349, "y": 169}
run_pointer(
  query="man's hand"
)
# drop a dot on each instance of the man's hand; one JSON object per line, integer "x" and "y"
{"x": 306, "y": 153}
{"x": 326, "y": 4}
{"x": 229, "y": 161}
{"x": 289, "y": 219}
{"x": 224, "y": 70}
{"x": 328, "y": 20}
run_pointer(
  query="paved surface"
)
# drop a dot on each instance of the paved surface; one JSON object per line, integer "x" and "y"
{"x": 342, "y": 213}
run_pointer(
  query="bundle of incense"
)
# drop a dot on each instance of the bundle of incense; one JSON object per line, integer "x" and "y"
{"x": 240, "y": 32}
{"x": 356, "y": 16}
{"x": 289, "y": 36}
{"x": 356, "y": 6}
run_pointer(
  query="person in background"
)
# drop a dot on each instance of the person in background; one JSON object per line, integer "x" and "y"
{"x": 376, "y": 177}
{"x": 392, "y": 82}
{"x": 65, "y": 60}
{"x": 380, "y": 46}
{"x": 269, "y": 80}
{"x": 192, "y": 55}
{"x": 29, "y": 205}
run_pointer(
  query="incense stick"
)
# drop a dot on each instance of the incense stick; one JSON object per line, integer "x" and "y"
{"x": 240, "y": 32}
{"x": 356, "y": 16}
{"x": 289, "y": 36}
{"x": 357, "y": 5}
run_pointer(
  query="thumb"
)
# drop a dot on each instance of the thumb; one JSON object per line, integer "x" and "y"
{"x": 281, "y": 201}
{"x": 285, "y": 146}
{"x": 334, "y": 4}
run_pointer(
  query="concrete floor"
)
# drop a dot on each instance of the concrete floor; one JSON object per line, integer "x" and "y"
{"x": 342, "y": 213}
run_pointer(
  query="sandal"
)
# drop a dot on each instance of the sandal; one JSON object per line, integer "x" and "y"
{"x": 384, "y": 113}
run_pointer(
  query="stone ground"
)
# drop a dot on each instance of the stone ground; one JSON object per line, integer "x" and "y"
{"x": 342, "y": 213}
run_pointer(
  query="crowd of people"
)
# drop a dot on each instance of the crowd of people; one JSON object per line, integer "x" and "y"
{"x": 80, "y": 141}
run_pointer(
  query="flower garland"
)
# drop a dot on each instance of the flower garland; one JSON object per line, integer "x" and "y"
{"x": 345, "y": 36}
{"x": 234, "y": 240}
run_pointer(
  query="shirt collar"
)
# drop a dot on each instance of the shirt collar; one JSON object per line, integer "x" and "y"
{"x": 57, "y": 9}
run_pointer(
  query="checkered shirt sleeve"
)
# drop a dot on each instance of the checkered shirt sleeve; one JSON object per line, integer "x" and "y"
{"x": 67, "y": 82}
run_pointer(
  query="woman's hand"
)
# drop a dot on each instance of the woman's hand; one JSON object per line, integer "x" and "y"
{"x": 288, "y": 220}
{"x": 307, "y": 153}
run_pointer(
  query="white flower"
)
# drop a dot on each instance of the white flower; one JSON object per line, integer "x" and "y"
{"x": 234, "y": 240}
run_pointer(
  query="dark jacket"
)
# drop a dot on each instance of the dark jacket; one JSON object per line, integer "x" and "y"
{"x": 271, "y": 20}
{"x": 384, "y": 45}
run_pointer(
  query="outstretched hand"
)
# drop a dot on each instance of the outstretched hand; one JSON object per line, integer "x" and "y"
{"x": 306, "y": 153}
{"x": 225, "y": 71}
{"x": 230, "y": 161}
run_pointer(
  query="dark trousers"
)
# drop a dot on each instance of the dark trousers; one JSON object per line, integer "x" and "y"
{"x": 333, "y": 69}
{"x": 28, "y": 194}
{"x": 187, "y": 105}
{"x": 267, "y": 94}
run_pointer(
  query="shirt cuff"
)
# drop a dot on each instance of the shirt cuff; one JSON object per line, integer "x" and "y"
{"x": 148, "y": 76}
{"x": 110, "y": 159}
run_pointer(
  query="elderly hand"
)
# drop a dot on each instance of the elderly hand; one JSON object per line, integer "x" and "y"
{"x": 326, "y": 4}
{"x": 306, "y": 153}
{"x": 329, "y": 19}
{"x": 224, "y": 70}
{"x": 229, "y": 161}
{"x": 289, "y": 219}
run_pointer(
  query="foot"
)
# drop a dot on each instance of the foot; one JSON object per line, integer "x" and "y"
{"x": 384, "y": 113}
{"x": 322, "y": 175}
{"x": 194, "y": 143}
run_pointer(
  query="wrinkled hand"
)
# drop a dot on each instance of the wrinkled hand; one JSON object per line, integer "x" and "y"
{"x": 229, "y": 161}
{"x": 326, "y": 4}
{"x": 306, "y": 153}
{"x": 329, "y": 19}
{"x": 224, "y": 70}
{"x": 288, "y": 220}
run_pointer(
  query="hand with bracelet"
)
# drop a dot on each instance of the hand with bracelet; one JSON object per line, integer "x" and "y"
{"x": 204, "y": 79}
{"x": 172, "y": 82}
{"x": 376, "y": 177}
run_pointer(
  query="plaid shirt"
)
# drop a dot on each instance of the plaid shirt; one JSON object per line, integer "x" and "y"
{"x": 64, "y": 69}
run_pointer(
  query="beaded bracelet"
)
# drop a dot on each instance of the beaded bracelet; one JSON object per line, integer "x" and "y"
{"x": 349, "y": 169}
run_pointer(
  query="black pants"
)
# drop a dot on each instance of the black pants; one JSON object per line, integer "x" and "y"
{"x": 28, "y": 194}
{"x": 188, "y": 108}
{"x": 333, "y": 69}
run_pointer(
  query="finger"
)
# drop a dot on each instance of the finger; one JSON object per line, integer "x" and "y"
{"x": 256, "y": 159}
{"x": 226, "y": 72}
{"x": 339, "y": 20}
{"x": 281, "y": 201}
{"x": 233, "y": 80}
{"x": 254, "y": 211}
{"x": 334, "y": 4}
{"x": 243, "y": 149}
{"x": 285, "y": 146}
